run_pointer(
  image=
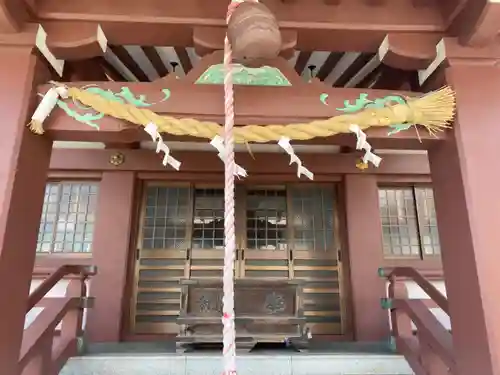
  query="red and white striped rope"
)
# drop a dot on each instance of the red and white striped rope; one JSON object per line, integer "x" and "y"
{"x": 229, "y": 332}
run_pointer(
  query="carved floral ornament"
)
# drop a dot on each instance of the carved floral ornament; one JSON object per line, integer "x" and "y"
{"x": 117, "y": 159}
{"x": 275, "y": 303}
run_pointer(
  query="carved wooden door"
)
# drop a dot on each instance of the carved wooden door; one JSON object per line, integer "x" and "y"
{"x": 163, "y": 253}
{"x": 314, "y": 255}
{"x": 263, "y": 243}
{"x": 282, "y": 233}
{"x": 291, "y": 233}
{"x": 181, "y": 236}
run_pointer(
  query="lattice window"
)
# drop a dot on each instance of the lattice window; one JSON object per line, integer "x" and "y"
{"x": 68, "y": 215}
{"x": 428, "y": 229}
{"x": 266, "y": 219}
{"x": 409, "y": 225}
{"x": 313, "y": 226}
{"x": 166, "y": 217}
{"x": 208, "y": 219}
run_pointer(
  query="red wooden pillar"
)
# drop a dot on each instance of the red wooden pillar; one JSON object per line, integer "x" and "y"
{"x": 371, "y": 322}
{"x": 110, "y": 254}
{"x": 466, "y": 179}
{"x": 24, "y": 161}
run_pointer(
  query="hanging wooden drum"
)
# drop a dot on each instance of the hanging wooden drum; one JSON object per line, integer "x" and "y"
{"x": 254, "y": 34}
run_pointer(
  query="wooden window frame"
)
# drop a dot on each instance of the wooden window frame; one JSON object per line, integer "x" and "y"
{"x": 419, "y": 223}
{"x": 65, "y": 253}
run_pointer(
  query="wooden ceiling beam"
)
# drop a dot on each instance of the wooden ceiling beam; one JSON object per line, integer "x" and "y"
{"x": 332, "y": 2}
{"x": 479, "y": 23}
{"x": 408, "y": 51}
{"x": 85, "y": 70}
{"x": 301, "y": 62}
{"x": 208, "y": 39}
{"x": 122, "y": 146}
{"x": 390, "y": 79}
{"x": 450, "y": 9}
{"x": 450, "y": 50}
{"x": 184, "y": 59}
{"x": 357, "y": 63}
{"x": 13, "y": 15}
{"x": 112, "y": 73}
{"x": 157, "y": 22}
{"x": 332, "y": 60}
{"x": 153, "y": 56}
{"x": 129, "y": 62}
{"x": 80, "y": 43}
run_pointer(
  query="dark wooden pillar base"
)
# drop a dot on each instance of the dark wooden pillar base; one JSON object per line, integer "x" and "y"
{"x": 110, "y": 255}
{"x": 466, "y": 179}
{"x": 371, "y": 322}
{"x": 24, "y": 161}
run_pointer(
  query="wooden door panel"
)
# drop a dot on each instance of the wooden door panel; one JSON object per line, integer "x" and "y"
{"x": 262, "y": 264}
{"x": 162, "y": 258}
{"x": 314, "y": 249}
{"x": 322, "y": 303}
{"x": 205, "y": 263}
{"x": 157, "y": 297}
{"x": 264, "y": 238}
{"x": 281, "y": 234}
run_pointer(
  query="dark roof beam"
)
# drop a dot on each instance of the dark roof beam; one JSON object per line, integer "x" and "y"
{"x": 342, "y": 65}
{"x": 155, "y": 59}
{"x": 126, "y": 59}
{"x": 352, "y": 69}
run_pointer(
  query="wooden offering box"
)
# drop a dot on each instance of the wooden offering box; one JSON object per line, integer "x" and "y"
{"x": 265, "y": 311}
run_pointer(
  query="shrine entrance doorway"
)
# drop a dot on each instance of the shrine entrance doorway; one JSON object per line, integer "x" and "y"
{"x": 283, "y": 232}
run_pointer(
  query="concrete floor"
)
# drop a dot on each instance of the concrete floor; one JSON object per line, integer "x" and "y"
{"x": 248, "y": 364}
{"x": 159, "y": 358}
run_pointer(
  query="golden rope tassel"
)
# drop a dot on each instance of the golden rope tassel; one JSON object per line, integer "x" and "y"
{"x": 434, "y": 111}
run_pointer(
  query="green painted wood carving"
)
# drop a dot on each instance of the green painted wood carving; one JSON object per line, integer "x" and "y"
{"x": 85, "y": 118}
{"x": 264, "y": 76}
{"x": 125, "y": 96}
{"x": 364, "y": 103}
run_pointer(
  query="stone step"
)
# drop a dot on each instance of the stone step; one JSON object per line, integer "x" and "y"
{"x": 248, "y": 364}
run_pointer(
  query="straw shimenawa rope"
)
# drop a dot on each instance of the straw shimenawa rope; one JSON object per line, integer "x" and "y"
{"x": 434, "y": 111}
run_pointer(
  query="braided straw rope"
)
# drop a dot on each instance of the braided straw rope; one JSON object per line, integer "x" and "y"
{"x": 434, "y": 111}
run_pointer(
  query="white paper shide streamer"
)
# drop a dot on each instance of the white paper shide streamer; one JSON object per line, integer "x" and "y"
{"x": 152, "y": 130}
{"x": 45, "y": 107}
{"x": 284, "y": 143}
{"x": 362, "y": 144}
{"x": 218, "y": 143}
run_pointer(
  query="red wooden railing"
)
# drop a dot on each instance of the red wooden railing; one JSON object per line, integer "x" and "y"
{"x": 45, "y": 349}
{"x": 429, "y": 349}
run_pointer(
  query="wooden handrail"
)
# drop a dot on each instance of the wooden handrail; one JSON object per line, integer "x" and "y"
{"x": 420, "y": 280}
{"x": 42, "y": 353}
{"x": 54, "y": 278}
{"x": 430, "y": 351}
{"x": 428, "y": 326}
